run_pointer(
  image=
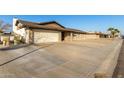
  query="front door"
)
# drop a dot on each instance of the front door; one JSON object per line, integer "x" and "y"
{"x": 63, "y": 36}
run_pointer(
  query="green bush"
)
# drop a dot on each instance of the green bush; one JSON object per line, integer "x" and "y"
{"x": 17, "y": 40}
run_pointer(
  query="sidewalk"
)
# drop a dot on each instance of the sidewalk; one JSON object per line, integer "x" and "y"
{"x": 119, "y": 71}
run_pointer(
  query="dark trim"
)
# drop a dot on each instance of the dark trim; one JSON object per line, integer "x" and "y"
{"x": 44, "y": 23}
{"x": 64, "y": 30}
{"x": 33, "y": 25}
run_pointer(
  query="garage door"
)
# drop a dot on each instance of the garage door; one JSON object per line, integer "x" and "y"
{"x": 43, "y": 37}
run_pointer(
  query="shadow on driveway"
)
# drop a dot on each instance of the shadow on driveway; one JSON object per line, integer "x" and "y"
{"x": 25, "y": 54}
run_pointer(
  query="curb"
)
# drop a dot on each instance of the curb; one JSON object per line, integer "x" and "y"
{"x": 107, "y": 67}
{"x": 14, "y": 47}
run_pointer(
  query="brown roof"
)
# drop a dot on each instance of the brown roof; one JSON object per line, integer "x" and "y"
{"x": 75, "y": 30}
{"x": 34, "y": 25}
{"x": 51, "y": 22}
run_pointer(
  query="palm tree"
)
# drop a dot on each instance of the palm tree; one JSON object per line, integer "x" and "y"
{"x": 110, "y": 29}
{"x": 117, "y": 32}
{"x": 113, "y": 31}
{"x": 4, "y": 26}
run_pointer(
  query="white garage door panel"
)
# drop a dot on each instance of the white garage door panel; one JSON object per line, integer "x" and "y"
{"x": 42, "y": 37}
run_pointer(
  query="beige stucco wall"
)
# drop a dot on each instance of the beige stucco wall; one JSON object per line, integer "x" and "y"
{"x": 79, "y": 36}
{"x": 91, "y": 36}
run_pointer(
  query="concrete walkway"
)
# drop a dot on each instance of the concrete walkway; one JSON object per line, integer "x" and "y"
{"x": 67, "y": 59}
{"x": 119, "y": 71}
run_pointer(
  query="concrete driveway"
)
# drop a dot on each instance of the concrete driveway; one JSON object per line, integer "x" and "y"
{"x": 66, "y": 59}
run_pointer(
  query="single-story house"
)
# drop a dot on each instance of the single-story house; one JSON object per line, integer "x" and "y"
{"x": 104, "y": 35}
{"x": 33, "y": 32}
{"x": 7, "y": 36}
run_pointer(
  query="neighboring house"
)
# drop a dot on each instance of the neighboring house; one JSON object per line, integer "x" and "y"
{"x": 8, "y": 36}
{"x": 52, "y": 31}
{"x": 118, "y": 35}
{"x": 92, "y": 35}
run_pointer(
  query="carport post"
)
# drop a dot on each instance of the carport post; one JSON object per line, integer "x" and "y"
{"x": 27, "y": 36}
{"x": 71, "y": 36}
{"x": 60, "y": 36}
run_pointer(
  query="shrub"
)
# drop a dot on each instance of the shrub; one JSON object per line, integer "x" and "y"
{"x": 6, "y": 39}
{"x": 17, "y": 40}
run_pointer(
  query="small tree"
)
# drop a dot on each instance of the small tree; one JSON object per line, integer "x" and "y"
{"x": 4, "y": 26}
{"x": 113, "y": 31}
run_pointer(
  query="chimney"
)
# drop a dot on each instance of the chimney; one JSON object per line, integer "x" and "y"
{"x": 14, "y": 24}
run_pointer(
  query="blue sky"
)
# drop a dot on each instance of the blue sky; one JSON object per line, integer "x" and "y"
{"x": 82, "y": 22}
